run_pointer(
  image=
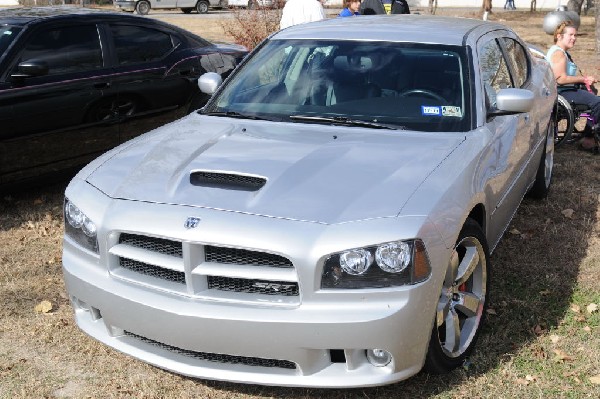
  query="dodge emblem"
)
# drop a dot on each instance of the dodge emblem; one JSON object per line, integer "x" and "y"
{"x": 191, "y": 223}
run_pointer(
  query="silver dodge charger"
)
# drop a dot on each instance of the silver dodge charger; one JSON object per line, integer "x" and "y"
{"x": 327, "y": 219}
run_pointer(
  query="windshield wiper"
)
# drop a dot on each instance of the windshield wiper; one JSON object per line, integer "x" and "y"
{"x": 234, "y": 114}
{"x": 342, "y": 120}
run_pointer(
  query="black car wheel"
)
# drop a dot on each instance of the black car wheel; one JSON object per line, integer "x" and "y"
{"x": 461, "y": 307}
{"x": 142, "y": 7}
{"x": 202, "y": 7}
{"x": 543, "y": 178}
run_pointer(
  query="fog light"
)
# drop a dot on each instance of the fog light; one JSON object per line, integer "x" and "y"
{"x": 379, "y": 357}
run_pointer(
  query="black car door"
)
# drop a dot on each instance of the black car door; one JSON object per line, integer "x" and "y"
{"x": 154, "y": 86}
{"x": 52, "y": 89}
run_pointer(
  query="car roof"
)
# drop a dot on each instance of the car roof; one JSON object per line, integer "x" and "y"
{"x": 413, "y": 28}
{"x": 26, "y": 15}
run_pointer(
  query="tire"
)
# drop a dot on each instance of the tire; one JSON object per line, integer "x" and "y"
{"x": 565, "y": 119}
{"x": 543, "y": 177}
{"x": 461, "y": 308}
{"x": 187, "y": 10}
{"x": 142, "y": 7}
{"x": 202, "y": 7}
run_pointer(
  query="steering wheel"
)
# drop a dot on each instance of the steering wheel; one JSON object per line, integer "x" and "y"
{"x": 423, "y": 92}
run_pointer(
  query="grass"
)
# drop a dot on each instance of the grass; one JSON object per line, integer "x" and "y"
{"x": 540, "y": 340}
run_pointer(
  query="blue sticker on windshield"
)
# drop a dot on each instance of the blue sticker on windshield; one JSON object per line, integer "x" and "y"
{"x": 431, "y": 110}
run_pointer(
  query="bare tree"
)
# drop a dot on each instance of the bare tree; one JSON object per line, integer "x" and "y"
{"x": 433, "y": 6}
{"x": 597, "y": 5}
{"x": 575, "y": 5}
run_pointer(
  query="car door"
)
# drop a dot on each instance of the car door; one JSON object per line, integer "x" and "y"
{"x": 153, "y": 87}
{"x": 55, "y": 76}
{"x": 508, "y": 151}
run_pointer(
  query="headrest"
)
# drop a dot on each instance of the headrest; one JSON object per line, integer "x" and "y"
{"x": 353, "y": 63}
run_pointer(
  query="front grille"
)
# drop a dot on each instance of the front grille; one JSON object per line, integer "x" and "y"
{"x": 218, "y": 357}
{"x": 213, "y": 271}
{"x": 153, "y": 271}
{"x": 160, "y": 245}
{"x": 253, "y": 286}
{"x": 244, "y": 257}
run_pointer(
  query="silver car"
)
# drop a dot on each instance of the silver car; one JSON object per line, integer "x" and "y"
{"x": 326, "y": 220}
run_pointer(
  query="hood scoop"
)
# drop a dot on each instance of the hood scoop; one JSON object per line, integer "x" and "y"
{"x": 227, "y": 181}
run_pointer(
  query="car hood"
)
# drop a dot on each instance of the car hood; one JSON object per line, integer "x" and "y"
{"x": 310, "y": 172}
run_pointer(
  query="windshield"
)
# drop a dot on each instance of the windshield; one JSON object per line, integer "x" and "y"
{"x": 399, "y": 85}
{"x": 7, "y": 35}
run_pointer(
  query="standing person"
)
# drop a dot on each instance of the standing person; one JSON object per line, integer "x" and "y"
{"x": 575, "y": 88}
{"x": 371, "y": 7}
{"x": 300, "y": 11}
{"x": 351, "y": 8}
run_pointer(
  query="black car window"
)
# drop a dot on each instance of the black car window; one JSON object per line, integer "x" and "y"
{"x": 135, "y": 44}
{"x": 517, "y": 59}
{"x": 494, "y": 70}
{"x": 7, "y": 36}
{"x": 65, "y": 49}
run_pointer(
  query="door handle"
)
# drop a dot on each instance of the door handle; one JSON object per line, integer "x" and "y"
{"x": 101, "y": 85}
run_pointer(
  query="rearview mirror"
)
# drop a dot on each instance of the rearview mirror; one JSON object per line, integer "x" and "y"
{"x": 209, "y": 82}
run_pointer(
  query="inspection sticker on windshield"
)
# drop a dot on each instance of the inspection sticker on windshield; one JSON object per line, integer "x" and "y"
{"x": 431, "y": 110}
{"x": 449, "y": 110}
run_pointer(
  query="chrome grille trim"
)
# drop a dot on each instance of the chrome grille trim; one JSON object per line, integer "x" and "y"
{"x": 204, "y": 271}
{"x": 218, "y": 357}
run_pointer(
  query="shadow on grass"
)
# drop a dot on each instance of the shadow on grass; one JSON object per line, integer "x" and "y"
{"x": 534, "y": 274}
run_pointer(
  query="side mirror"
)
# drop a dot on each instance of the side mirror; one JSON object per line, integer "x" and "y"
{"x": 31, "y": 68}
{"x": 209, "y": 82}
{"x": 512, "y": 101}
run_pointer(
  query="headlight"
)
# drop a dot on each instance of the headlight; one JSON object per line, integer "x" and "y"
{"x": 79, "y": 227}
{"x": 386, "y": 265}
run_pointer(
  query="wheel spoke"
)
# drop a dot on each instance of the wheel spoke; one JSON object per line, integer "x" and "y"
{"x": 469, "y": 304}
{"x": 467, "y": 265}
{"x": 452, "y": 332}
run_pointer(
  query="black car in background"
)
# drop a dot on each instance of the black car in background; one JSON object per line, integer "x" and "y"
{"x": 75, "y": 82}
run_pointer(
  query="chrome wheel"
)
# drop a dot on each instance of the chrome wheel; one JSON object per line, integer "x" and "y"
{"x": 461, "y": 307}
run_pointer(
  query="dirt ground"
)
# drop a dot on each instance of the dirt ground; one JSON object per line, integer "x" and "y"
{"x": 542, "y": 337}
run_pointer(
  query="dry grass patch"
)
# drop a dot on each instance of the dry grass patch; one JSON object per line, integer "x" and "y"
{"x": 541, "y": 339}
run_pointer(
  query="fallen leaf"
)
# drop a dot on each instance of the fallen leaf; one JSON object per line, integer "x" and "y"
{"x": 562, "y": 356}
{"x": 554, "y": 338}
{"x": 568, "y": 213}
{"x": 491, "y": 311}
{"x": 595, "y": 379}
{"x": 38, "y": 201}
{"x": 530, "y": 377}
{"x": 592, "y": 307}
{"x": 515, "y": 232}
{"x": 575, "y": 308}
{"x": 545, "y": 292}
{"x": 522, "y": 381}
{"x": 43, "y": 307}
{"x": 587, "y": 329}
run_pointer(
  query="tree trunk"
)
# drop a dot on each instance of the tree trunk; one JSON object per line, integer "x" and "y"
{"x": 575, "y": 5}
{"x": 597, "y": 4}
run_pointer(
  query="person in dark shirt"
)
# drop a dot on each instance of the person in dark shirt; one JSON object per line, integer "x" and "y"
{"x": 373, "y": 7}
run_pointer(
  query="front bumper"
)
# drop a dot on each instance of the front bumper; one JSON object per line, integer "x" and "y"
{"x": 251, "y": 344}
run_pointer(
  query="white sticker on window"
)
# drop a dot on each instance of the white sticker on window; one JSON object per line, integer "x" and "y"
{"x": 449, "y": 110}
{"x": 430, "y": 110}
